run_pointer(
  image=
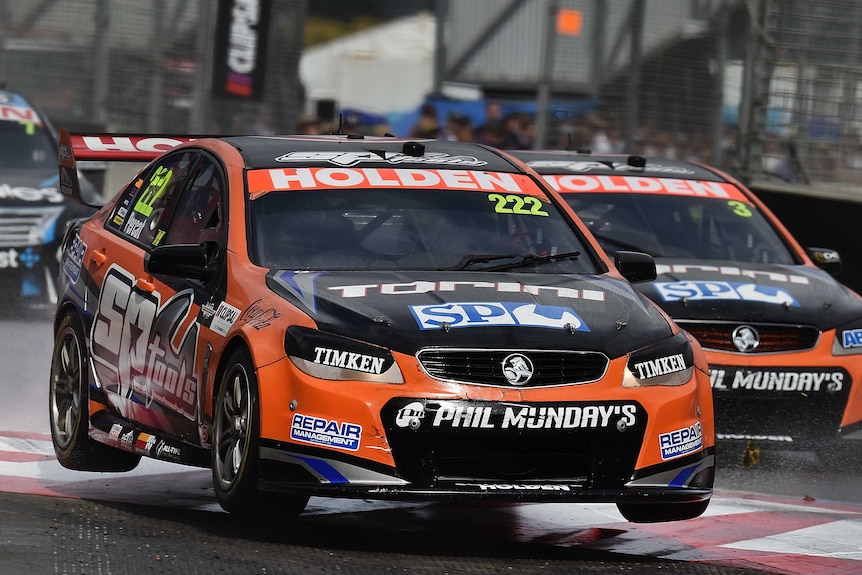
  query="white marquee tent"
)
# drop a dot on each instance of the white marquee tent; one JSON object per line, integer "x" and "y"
{"x": 382, "y": 70}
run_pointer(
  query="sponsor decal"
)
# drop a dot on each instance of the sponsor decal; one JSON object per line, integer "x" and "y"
{"x": 261, "y": 181}
{"x": 138, "y": 346}
{"x": 74, "y": 258}
{"x": 166, "y": 451}
{"x": 720, "y": 290}
{"x": 134, "y": 226}
{"x": 447, "y": 286}
{"x": 25, "y": 194}
{"x": 604, "y": 166}
{"x": 325, "y": 432}
{"x": 128, "y": 438}
{"x": 224, "y": 318}
{"x": 738, "y": 436}
{"x": 520, "y": 487}
{"x": 851, "y": 338}
{"x": 784, "y": 380}
{"x": 145, "y": 441}
{"x": 645, "y": 185}
{"x": 9, "y": 258}
{"x": 766, "y": 275}
{"x": 349, "y": 360}
{"x": 124, "y": 147}
{"x": 681, "y": 441}
{"x": 348, "y": 159}
{"x": 465, "y": 415}
{"x": 116, "y": 430}
{"x": 24, "y": 114}
{"x": 258, "y": 317}
{"x": 411, "y": 415}
{"x": 487, "y": 314}
{"x": 660, "y": 366}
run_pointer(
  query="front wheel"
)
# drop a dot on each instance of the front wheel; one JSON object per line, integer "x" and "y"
{"x": 68, "y": 409}
{"x": 661, "y": 512}
{"x": 236, "y": 445}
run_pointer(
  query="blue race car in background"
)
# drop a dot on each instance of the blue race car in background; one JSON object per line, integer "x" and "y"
{"x": 33, "y": 212}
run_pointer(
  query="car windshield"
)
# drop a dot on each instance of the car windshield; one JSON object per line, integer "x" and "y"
{"x": 26, "y": 146}
{"x": 403, "y": 229}
{"x": 681, "y": 227}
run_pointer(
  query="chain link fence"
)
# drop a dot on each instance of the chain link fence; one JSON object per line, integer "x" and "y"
{"x": 126, "y": 65}
{"x": 766, "y": 89}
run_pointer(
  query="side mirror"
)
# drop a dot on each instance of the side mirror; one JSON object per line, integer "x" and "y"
{"x": 190, "y": 261}
{"x": 635, "y": 266}
{"x": 826, "y": 259}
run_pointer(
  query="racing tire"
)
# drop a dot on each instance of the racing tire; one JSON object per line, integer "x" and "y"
{"x": 661, "y": 512}
{"x": 236, "y": 446}
{"x": 69, "y": 407}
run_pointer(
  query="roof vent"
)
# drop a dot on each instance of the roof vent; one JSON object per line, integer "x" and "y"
{"x": 413, "y": 149}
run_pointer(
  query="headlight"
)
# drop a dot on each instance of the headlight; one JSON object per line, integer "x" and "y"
{"x": 848, "y": 339}
{"x": 668, "y": 362}
{"x": 329, "y": 356}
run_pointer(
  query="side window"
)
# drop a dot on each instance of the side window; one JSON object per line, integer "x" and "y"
{"x": 143, "y": 213}
{"x": 198, "y": 214}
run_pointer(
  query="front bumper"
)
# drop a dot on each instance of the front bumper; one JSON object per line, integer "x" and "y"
{"x": 431, "y": 439}
{"x": 800, "y": 400}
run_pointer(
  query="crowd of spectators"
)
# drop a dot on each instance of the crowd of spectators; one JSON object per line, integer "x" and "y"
{"x": 591, "y": 131}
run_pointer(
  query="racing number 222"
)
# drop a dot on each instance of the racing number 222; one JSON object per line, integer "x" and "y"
{"x": 514, "y": 204}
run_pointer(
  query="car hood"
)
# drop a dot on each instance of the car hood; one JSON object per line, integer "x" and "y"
{"x": 30, "y": 188}
{"x": 730, "y": 291}
{"x": 406, "y": 311}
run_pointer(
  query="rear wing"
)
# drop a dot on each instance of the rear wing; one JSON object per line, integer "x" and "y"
{"x": 107, "y": 147}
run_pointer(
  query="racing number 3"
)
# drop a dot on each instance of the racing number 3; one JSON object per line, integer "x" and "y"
{"x": 515, "y": 204}
{"x": 155, "y": 189}
{"x": 739, "y": 208}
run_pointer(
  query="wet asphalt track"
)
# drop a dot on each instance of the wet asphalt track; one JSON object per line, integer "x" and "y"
{"x": 781, "y": 517}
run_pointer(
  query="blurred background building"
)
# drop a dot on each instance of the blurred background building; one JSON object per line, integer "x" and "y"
{"x": 766, "y": 89}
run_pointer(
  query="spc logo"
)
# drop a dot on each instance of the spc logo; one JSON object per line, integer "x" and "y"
{"x": 720, "y": 290}
{"x": 411, "y": 415}
{"x": 485, "y": 314}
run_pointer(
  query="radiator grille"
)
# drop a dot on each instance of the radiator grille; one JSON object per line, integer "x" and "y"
{"x": 485, "y": 367}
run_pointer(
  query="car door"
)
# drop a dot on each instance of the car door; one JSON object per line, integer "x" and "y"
{"x": 145, "y": 332}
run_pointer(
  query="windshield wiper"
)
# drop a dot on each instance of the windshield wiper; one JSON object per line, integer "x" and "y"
{"x": 531, "y": 259}
{"x": 471, "y": 259}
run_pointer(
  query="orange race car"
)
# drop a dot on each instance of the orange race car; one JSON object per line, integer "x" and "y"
{"x": 367, "y": 317}
{"x": 783, "y": 337}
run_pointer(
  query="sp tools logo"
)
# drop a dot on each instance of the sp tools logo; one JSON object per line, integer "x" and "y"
{"x": 138, "y": 347}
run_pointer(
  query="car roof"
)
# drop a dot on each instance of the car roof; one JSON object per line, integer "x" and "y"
{"x": 262, "y": 152}
{"x": 566, "y": 162}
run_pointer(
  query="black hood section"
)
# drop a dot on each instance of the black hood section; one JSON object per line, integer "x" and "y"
{"x": 406, "y": 311}
{"x": 30, "y": 188}
{"x": 784, "y": 294}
